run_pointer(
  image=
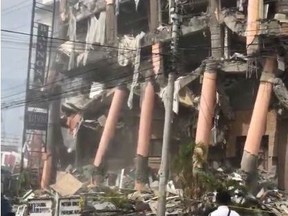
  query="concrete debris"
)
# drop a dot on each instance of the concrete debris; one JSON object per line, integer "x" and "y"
{"x": 261, "y": 193}
{"x": 67, "y": 185}
{"x": 104, "y": 206}
{"x": 69, "y": 47}
{"x": 28, "y": 195}
{"x": 173, "y": 206}
{"x": 97, "y": 90}
{"x": 102, "y": 120}
{"x": 173, "y": 190}
{"x": 111, "y": 200}
{"x": 68, "y": 170}
{"x": 138, "y": 196}
{"x": 20, "y": 210}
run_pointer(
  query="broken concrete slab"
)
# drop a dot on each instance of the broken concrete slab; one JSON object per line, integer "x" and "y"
{"x": 196, "y": 24}
{"x": 234, "y": 67}
{"x": 237, "y": 22}
{"x": 59, "y": 175}
{"x": 67, "y": 185}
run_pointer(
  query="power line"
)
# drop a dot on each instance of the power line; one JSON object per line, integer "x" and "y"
{"x": 73, "y": 90}
{"x": 100, "y": 46}
{"x": 190, "y": 48}
{"x": 187, "y": 49}
{"x": 16, "y": 8}
{"x": 73, "y": 76}
{"x": 92, "y": 70}
{"x": 93, "y": 44}
{"x": 83, "y": 73}
{"x": 65, "y": 40}
{"x": 15, "y": 5}
{"x": 16, "y": 87}
{"x": 106, "y": 46}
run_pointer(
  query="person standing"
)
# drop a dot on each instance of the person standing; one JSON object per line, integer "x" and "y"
{"x": 6, "y": 208}
{"x": 223, "y": 199}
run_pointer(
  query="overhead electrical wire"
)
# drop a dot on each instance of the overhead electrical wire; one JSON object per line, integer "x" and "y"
{"x": 202, "y": 46}
{"x": 76, "y": 42}
{"x": 99, "y": 68}
{"x": 93, "y": 44}
{"x": 190, "y": 48}
{"x": 72, "y": 76}
{"x": 117, "y": 47}
{"x": 63, "y": 39}
{"x": 72, "y": 91}
{"x": 13, "y": 6}
{"x": 200, "y": 107}
{"x": 16, "y": 8}
{"x": 79, "y": 42}
{"x": 65, "y": 79}
{"x": 76, "y": 75}
{"x": 75, "y": 90}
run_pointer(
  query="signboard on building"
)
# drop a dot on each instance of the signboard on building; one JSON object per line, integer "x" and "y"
{"x": 36, "y": 101}
{"x": 69, "y": 206}
{"x": 41, "y": 207}
{"x": 36, "y": 110}
{"x": 36, "y": 120}
{"x": 37, "y": 107}
{"x": 41, "y": 56}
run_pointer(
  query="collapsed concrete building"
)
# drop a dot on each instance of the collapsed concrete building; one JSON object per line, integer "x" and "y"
{"x": 111, "y": 67}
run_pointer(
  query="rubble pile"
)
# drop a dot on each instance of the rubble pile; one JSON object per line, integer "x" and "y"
{"x": 264, "y": 199}
{"x": 251, "y": 195}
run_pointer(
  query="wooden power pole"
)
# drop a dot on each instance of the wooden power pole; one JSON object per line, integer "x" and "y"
{"x": 168, "y": 103}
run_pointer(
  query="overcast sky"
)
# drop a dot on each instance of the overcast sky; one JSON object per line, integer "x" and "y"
{"x": 15, "y": 16}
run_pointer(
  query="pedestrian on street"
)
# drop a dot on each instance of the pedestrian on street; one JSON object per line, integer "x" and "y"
{"x": 6, "y": 208}
{"x": 223, "y": 200}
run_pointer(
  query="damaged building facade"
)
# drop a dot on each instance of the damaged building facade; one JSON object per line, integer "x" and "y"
{"x": 110, "y": 70}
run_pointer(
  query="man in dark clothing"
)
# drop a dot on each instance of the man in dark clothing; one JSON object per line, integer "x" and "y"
{"x": 223, "y": 199}
{"x": 6, "y": 208}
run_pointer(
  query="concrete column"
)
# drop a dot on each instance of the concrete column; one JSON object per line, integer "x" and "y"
{"x": 208, "y": 92}
{"x": 259, "y": 117}
{"x": 144, "y": 137}
{"x": 252, "y": 26}
{"x": 206, "y": 108}
{"x": 111, "y": 22}
{"x": 47, "y": 170}
{"x": 110, "y": 125}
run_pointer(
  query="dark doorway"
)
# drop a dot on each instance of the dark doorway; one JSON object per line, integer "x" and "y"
{"x": 240, "y": 142}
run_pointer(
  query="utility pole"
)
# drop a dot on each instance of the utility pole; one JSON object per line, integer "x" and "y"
{"x": 24, "y": 135}
{"x": 53, "y": 88}
{"x": 168, "y": 103}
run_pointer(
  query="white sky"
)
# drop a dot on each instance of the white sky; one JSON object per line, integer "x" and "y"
{"x": 15, "y": 16}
